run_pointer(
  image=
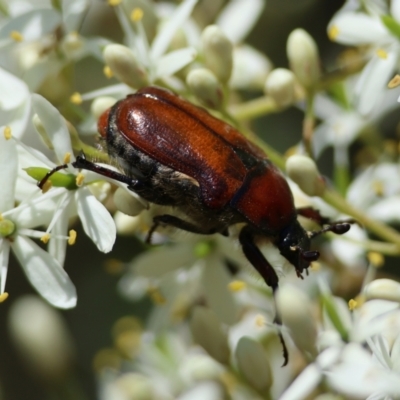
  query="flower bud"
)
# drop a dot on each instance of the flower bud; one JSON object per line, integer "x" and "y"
{"x": 40, "y": 335}
{"x": 72, "y": 44}
{"x": 124, "y": 65}
{"x": 383, "y": 289}
{"x": 205, "y": 86}
{"x": 280, "y": 86}
{"x": 101, "y": 104}
{"x": 303, "y": 57}
{"x": 200, "y": 367}
{"x": 297, "y": 315}
{"x": 303, "y": 171}
{"x": 208, "y": 333}
{"x": 218, "y": 52}
{"x": 253, "y": 363}
{"x": 128, "y": 203}
{"x": 133, "y": 386}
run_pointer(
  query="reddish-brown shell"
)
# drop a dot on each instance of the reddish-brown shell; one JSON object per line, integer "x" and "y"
{"x": 190, "y": 140}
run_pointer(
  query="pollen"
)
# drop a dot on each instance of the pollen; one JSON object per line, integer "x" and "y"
{"x": 352, "y": 304}
{"x": 394, "y": 82}
{"x": 377, "y": 187}
{"x": 1, "y": 217}
{"x": 46, "y": 186}
{"x": 356, "y": 303}
{"x": 17, "y": 36}
{"x": 260, "y": 321}
{"x": 45, "y": 238}
{"x": 376, "y": 259}
{"x": 79, "y": 179}
{"x": 333, "y": 32}
{"x": 3, "y": 297}
{"x": 382, "y": 54}
{"x": 114, "y": 3}
{"x": 108, "y": 72}
{"x": 76, "y": 98}
{"x": 315, "y": 266}
{"x": 136, "y": 14}
{"x": 7, "y": 133}
{"x": 72, "y": 237}
{"x": 237, "y": 286}
{"x": 67, "y": 158}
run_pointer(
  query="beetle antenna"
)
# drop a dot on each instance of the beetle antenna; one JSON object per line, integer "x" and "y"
{"x": 339, "y": 228}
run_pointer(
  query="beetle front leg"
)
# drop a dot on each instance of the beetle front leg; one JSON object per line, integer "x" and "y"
{"x": 176, "y": 222}
{"x": 265, "y": 269}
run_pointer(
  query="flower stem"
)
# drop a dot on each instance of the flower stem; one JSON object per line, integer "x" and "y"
{"x": 254, "y": 108}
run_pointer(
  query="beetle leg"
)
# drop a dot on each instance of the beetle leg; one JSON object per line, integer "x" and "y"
{"x": 176, "y": 222}
{"x": 313, "y": 214}
{"x": 265, "y": 269}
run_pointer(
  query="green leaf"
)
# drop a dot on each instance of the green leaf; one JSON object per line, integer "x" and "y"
{"x": 392, "y": 25}
{"x": 331, "y": 310}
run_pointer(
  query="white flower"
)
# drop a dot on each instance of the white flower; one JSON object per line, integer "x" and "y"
{"x": 359, "y": 29}
{"x": 43, "y": 271}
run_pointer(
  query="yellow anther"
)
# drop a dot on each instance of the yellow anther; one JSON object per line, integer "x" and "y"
{"x": 394, "y": 82}
{"x": 79, "y": 179}
{"x": 382, "y": 54}
{"x": 260, "y": 321}
{"x": 352, "y": 304}
{"x": 376, "y": 259}
{"x": 76, "y": 98}
{"x": 333, "y": 32}
{"x": 315, "y": 266}
{"x": 114, "y": 3}
{"x": 17, "y": 36}
{"x": 1, "y": 217}
{"x": 7, "y": 133}
{"x": 108, "y": 72}
{"x": 378, "y": 188}
{"x": 72, "y": 237}
{"x": 236, "y": 286}
{"x": 45, "y": 238}
{"x": 67, "y": 158}
{"x": 46, "y": 186}
{"x": 3, "y": 297}
{"x": 136, "y": 14}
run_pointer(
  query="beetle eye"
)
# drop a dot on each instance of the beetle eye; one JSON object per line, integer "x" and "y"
{"x": 310, "y": 255}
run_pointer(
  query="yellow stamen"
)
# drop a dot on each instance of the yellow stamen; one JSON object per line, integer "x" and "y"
{"x": 376, "y": 259}
{"x": 260, "y": 321}
{"x": 394, "y": 82}
{"x": 45, "y": 238}
{"x": 17, "y": 36}
{"x": 236, "y": 286}
{"x": 382, "y": 54}
{"x": 378, "y": 188}
{"x": 315, "y": 266}
{"x": 7, "y": 133}
{"x": 76, "y": 98}
{"x": 79, "y": 179}
{"x": 67, "y": 158}
{"x": 72, "y": 237}
{"x": 47, "y": 186}
{"x": 136, "y": 14}
{"x": 3, "y": 297}
{"x": 333, "y": 32}
{"x": 1, "y": 217}
{"x": 108, "y": 72}
{"x": 114, "y": 3}
{"x": 352, "y": 304}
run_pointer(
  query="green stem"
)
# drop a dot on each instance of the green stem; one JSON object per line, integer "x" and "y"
{"x": 254, "y": 108}
{"x": 308, "y": 124}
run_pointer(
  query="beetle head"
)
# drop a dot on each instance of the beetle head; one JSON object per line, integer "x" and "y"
{"x": 294, "y": 244}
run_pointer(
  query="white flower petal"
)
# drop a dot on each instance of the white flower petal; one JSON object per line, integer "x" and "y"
{"x": 373, "y": 80}
{"x": 55, "y": 126}
{"x": 155, "y": 263}
{"x": 72, "y": 12}
{"x": 238, "y": 18}
{"x": 44, "y": 273}
{"x": 14, "y": 103}
{"x": 4, "y": 256}
{"x": 395, "y": 9}
{"x": 96, "y": 220}
{"x": 33, "y": 24}
{"x": 8, "y": 172}
{"x": 164, "y": 37}
{"x": 386, "y": 210}
{"x": 215, "y": 280}
{"x": 174, "y": 61}
{"x": 355, "y": 28}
